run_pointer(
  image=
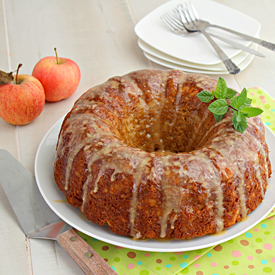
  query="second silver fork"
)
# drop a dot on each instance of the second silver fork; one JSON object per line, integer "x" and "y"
{"x": 189, "y": 21}
{"x": 177, "y": 27}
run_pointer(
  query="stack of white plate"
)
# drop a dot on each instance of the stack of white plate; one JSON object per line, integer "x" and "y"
{"x": 193, "y": 53}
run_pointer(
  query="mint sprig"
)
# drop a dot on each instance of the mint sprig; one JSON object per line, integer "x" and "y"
{"x": 240, "y": 104}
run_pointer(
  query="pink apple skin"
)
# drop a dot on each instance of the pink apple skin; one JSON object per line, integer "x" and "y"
{"x": 59, "y": 80}
{"x": 23, "y": 102}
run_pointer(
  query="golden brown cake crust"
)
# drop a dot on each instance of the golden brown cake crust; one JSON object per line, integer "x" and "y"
{"x": 144, "y": 155}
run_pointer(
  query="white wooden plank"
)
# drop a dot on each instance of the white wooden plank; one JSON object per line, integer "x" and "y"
{"x": 13, "y": 255}
{"x": 7, "y": 131}
{"x": 52, "y": 259}
{"x": 3, "y": 41}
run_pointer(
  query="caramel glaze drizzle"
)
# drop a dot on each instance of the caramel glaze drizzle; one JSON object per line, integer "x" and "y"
{"x": 100, "y": 139}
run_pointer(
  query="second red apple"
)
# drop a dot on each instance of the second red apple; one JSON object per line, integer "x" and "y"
{"x": 59, "y": 77}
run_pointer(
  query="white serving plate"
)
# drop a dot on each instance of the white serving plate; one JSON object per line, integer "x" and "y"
{"x": 195, "y": 48}
{"x": 237, "y": 59}
{"x": 56, "y": 200}
{"x": 172, "y": 65}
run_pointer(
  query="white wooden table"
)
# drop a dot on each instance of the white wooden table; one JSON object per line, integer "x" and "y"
{"x": 99, "y": 36}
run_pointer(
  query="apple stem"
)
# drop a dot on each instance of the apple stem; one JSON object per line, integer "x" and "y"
{"x": 17, "y": 71}
{"x": 56, "y": 55}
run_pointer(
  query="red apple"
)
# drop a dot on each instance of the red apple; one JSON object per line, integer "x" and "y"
{"x": 21, "y": 100}
{"x": 59, "y": 77}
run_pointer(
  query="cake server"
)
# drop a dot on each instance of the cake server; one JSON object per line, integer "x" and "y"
{"x": 39, "y": 221}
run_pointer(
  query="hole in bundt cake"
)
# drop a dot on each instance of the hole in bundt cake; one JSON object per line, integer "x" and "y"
{"x": 176, "y": 125}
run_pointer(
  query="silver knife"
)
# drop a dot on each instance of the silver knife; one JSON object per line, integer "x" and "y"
{"x": 261, "y": 42}
{"x": 39, "y": 221}
{"x": 237, "y": 45}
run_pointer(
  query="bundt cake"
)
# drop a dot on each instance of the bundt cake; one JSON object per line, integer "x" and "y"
{"x": 144, "y": 155}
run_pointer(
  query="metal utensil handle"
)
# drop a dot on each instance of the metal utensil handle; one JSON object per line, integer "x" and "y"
{"x": 268, "y": 45}
{"x": 237, "y": 45}
{"x": 229, "y": 64}
{"x": 263, "y": 43}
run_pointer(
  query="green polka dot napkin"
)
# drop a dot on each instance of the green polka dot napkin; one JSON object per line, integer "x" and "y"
{"x": 264, "y": 101}
{"x": 251, "y": 253}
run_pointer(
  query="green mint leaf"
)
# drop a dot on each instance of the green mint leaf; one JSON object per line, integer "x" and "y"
{"x": 237, "y": 101}
{"x": 214, "y": 93}
{"x": 239, "y": 121}
{"x": 251, "y": 111}
{"x": 205, "y": 96}
{"x": 230, "y": 93}
{"x": 246, "y": 104}
{"x": 234, "y": 102}
{"x": 221, "y": 88}
{"x": 218, "y": 117}
{"x": 242, "y": 98}
{"x": 218, "y": 107}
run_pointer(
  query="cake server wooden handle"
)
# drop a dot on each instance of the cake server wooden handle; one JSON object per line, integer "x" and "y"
{"x": 82, "y": 253}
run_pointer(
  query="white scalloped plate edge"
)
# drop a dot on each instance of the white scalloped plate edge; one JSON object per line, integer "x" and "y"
{"x": 239, "y": 59}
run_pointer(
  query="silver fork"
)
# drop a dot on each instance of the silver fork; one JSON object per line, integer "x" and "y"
{"x": 177, "y": 27}
{"x": 190, "y": 23}
{"x": 268, "y": 45}
{"x": 174, "y": 24}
